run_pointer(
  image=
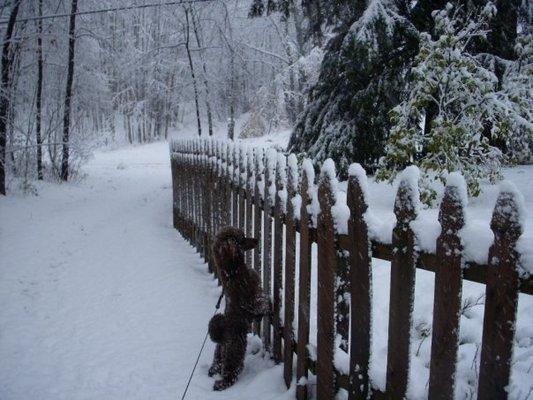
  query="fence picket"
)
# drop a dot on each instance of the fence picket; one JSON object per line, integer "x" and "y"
{"x": 360, "y": 284}
{"x": 448, "y": 287}
{"x": 402, "y": 285}
{"x": 241, "y": 186}
{"x": 290, "y": 259}
{"x": 235, "y": 184}
{"x": 304, "y": 284}
{"x": 326, "y": 286}
{"x": 501, "y": 300}
{"x": 249, "y": 200}
{"x": 279, "y": 210}
{"x": 270, "y": 175}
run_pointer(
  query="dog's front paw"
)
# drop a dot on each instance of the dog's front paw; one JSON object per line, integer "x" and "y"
{"x": 215, "y": 369}
{"x": 222, "y": 384}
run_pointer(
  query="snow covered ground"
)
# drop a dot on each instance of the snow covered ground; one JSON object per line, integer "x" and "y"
{"x": 101, "y": 298}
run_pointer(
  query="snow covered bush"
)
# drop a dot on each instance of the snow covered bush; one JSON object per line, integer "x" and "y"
{"x": 456, "y": 107}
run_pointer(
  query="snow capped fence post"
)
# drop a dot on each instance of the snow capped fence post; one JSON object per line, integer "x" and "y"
{"x": 360, "y": 283}
{"x": 249, "y": 199}
{"x": 501, "y": 301}
{"x": 448, "y": 288}
{"x": 258, "y": 195}
{"x": 279, "y": 210}
{"x": 235, "y": 184}
{"x": 268, "y": 204}
{"x": 241, "y": 187}
{"x": 227, "y": 185}
{"x": 197, "y": 199}
{"x": 259, "y": 186}
{"x": 290, "y": 257}
{"x": 175, "y": 188}
{"x": 402, "y": 283}
{"x": 304, "y": 285}
{"x": 326, "y": 284}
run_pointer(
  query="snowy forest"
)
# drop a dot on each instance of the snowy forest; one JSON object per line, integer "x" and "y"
{"x": 352, "y": 81}
{"x": 94, "y": 93}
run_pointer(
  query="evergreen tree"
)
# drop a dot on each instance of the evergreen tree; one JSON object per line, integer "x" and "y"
{"x": 362, "y": 78}
{"x": 467, "y": 97}
{"x": 366, "y": 68}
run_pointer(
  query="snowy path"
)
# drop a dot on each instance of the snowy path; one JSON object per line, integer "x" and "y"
{"x": 100, "y": 297}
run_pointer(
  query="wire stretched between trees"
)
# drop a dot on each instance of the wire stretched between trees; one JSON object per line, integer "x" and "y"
{"x": 123, "y": 8}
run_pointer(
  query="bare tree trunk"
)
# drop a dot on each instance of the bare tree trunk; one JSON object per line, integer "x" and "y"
{"x": 206, "y": 85}
{"x": 193, "y": 76}
{"x": 4, "y": 92}
{"x": 38, "y": 124}
{"x": 68, "y": 94}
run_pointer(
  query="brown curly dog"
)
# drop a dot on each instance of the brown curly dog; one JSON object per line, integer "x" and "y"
{"x": 245, "y": 302}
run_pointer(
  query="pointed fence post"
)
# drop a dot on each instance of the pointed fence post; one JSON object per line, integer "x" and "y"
{"x": 360, "y": 283}
{"x": 228, "y": 186}
{"x": 402, "y": 284}
{"x": 326, "y": 284}
{"x": 258, "y": 231}
{"x": 290, "y": 260}
{"x": 304, "y": 285}
{"x": 235, "y": 185}
{"x": 241, "y": 188}
{"x": 279, "y": 211}
{"x": 268, "y": 204}
{"x": 249, "y": 200}
{"x": 175, "y": 188}
{"x": 499, "y": 322}
{"x": 448, "y": 288}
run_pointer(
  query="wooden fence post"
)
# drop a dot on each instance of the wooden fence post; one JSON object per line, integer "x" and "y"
{"x": 249, "y": 200}
{"x": 279, "y": 211}
{"x": 360, "y": 283}
{"x": 228, "y": 192}
{"x": 235, "y": 185}
{"x": 501, "y": 301}
{"x": 448, "y": 288}
{"x": 241, "y": 188}
{"x": 304, "y": 284}
{"x": 270, "y": 188}
{"x": 326, "y": 284}
{"x": 290, "y": 259}
{"x": 402, "y": 284}
{"x": 259, "y": 189}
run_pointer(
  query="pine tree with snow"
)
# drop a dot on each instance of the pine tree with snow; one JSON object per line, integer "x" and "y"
{"x": 466, "y": 100}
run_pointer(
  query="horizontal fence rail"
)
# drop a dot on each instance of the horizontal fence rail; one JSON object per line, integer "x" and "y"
{"x": 269, "y": 196}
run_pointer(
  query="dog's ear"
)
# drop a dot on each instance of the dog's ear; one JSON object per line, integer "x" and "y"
{"x": 249, "y": 243}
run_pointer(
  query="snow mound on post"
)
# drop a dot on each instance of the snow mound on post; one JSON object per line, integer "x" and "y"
{"x": 457, "y": 180}
{"x": 518, "y": 215}
{"x": 410, "y": 177}
{"x": 357, "y": 171}
{"x": 314, "y": 208}
{"x": 282, "y": 175}
{"x": 272, "y": 156}
{"x": 339, "y": 210}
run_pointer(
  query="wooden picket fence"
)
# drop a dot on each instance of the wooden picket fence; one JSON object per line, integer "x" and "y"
{"x": 216, "y": 184}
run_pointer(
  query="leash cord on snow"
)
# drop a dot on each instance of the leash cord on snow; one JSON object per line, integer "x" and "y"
{"x": 217, "y": 306}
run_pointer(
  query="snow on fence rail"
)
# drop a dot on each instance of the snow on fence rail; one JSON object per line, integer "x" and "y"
{"x": 216, "y": 184}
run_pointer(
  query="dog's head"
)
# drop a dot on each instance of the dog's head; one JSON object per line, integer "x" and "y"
{"x": 230, "y": 245}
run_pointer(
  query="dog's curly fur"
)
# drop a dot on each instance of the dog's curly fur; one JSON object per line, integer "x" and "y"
{"x": 245, "y": 302}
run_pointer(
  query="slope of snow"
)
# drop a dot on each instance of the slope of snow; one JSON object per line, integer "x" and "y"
{"x": 101, "y": 298}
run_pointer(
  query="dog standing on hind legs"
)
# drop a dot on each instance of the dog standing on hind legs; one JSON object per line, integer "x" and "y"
{"x": 245, "y": 303}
